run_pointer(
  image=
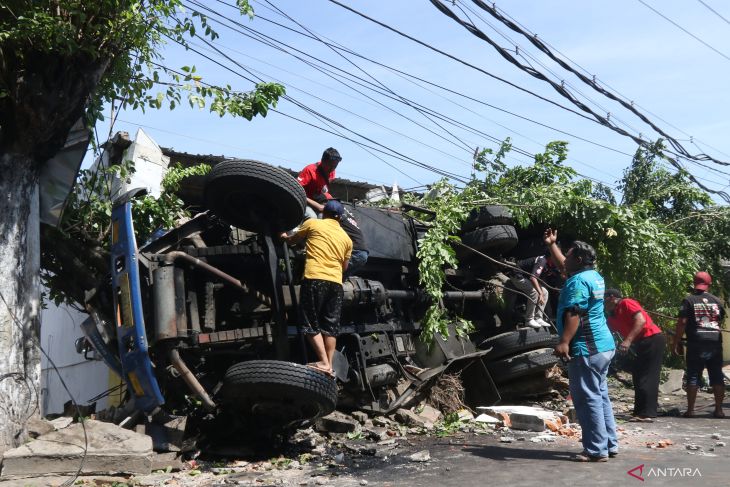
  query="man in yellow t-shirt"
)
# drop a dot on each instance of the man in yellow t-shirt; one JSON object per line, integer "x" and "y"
{"x": 320, "y": 302}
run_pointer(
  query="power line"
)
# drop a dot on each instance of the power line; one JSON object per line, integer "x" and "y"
{"x": 521, "y": 151}
{"x": 714, "y": 11}
{"x": 532, "y": 35}
{"x": 461, "y": 61}
{"x": 407, "y": 75}
{"x": 682, "y": 29}
{"x": 562, "y": 91}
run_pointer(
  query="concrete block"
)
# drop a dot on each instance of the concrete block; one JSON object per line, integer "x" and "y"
{"x": 409, "y": 418}
{"x": 673, "y": 382}
{"x": 111, "y": 449}
{"x": 485, "y": 418}
{"x": 336, "y": 422}
{"x": 429, "y": 413}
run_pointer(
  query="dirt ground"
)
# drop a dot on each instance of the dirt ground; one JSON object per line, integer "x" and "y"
{"x": 672, "y": 450}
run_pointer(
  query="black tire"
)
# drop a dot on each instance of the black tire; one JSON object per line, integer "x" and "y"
{"x": 255, "y": 196}
{"x": 525, "y": 363}
{"x": 516, "y": 341}
{"x": 486, "y": 216}
{"x": 280, "y": 391}
{"x": 493, "y": 240}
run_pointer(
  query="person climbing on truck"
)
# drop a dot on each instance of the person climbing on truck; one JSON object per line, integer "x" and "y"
{"x": 315, "y": 179}
{"x": 524, "y": 279}
{"x": 328, "y": 250}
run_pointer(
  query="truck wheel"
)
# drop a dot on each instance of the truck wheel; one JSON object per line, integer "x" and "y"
{"x": 516, "y": 341}
{"x": 255, "y": 196}
{"x": 281, "y": 391}
{"x": 486, "y": 216}
{"x": 493, "y": 240}
{"x": 522, "y": 364}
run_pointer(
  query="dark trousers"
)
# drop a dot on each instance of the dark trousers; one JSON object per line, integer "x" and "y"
{"x": 645, "y": 374}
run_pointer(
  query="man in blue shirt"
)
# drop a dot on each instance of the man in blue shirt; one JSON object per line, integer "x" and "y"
{"x": 586, "y": 343}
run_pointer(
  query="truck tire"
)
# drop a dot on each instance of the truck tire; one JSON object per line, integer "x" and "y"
{"x": 486, "y": 216}
{"x": 525, "y": 363}
{"x": 282, "y": 391}
{"x": 255, "y": 196}
{"x": 492, "y": 240}
{"x": 516, "y": 341}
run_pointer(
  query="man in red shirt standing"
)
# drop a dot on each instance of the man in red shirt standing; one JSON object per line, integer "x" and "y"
{"x": 626, "y": 317}
{"x": 315, "y": 179}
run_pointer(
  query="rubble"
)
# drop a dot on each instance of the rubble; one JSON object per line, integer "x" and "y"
{"x": 673, "y": 382}
{"x": 111, "y": 449}
{"x": 336, "y": 422}
{"x": 421, "y": 456}
{"x": 360, "y": 417}
{"x": 526, "y": 417}
{"x": 716, "y": 436}
{"x": 409, "y": 418}
{"x": 429, "y": 413}
{"x": 485, "y": 418}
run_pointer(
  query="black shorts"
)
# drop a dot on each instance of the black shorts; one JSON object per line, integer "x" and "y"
{"x": 320, "y": 307}
{"x": 701, "y": 355}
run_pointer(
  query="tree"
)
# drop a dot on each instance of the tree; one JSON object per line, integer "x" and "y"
{"x": 649, "y": 245}
{"x": 61, "y": 61}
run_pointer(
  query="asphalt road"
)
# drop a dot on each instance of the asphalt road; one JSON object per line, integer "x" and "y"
{"x": 483, "y": 460}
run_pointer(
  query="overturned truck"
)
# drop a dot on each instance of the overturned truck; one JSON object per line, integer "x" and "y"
{"x": 205, "y": 315}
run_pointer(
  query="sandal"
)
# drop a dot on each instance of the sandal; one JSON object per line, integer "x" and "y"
{"x": 639, "y": 419}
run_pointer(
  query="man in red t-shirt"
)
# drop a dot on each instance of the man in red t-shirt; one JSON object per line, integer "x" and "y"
{"x": 626, "y": 317}
{"x": 315, "y": 179}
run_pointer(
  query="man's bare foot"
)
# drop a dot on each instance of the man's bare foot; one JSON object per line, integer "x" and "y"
{"x": 718, "y": 413}
{"x": 321, "y": 367}
{"x": 688, "y": 414}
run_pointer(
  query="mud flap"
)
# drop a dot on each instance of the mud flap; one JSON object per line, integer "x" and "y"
{"x": 128, "y": 318}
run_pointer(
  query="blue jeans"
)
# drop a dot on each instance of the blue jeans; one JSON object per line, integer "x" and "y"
{"x": 589, "y": 389}
{"x": 358, "y": 258}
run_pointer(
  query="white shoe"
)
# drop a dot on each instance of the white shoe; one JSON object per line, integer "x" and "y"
{"x": 533, "y": 324}
{"x": 542, "y": 322}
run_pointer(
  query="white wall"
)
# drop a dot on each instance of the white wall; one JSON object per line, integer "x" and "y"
{"x": 85, "y": 379}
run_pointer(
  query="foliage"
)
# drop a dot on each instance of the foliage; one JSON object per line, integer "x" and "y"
{"x": 87, "y": 219}
{"x": 122, "y": 42}
{"x": 649, "y": 245}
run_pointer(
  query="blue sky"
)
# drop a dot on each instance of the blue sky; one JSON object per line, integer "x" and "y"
{"x": 678, "y": 82}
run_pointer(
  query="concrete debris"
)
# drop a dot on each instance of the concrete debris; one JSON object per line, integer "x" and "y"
{"x": 485, "y": 418}
{"x": 421, "y": 456}
{"x": 543, "y": 438}
{"x": 429, "y": 413}
{"x": 720, "y": 443}
{"x": 716, "y": 436}
{"x": 526, "y": 417}
{"x": 165, "y": 461}
{"x": 152, "y": 479}
{"x": 692, "y": 446}
{"x": 62, "y": 422}
{"x": 168, "y": 436}
{"x": 360, "y": 417}
{"x": 673, "y": 382}
{"x": 111, "y": 449}
{"x": 659, "y": 444}
{"x": 336, "y": 422}
{"x": 465, "y": 415}
{"x": 37, "y": 426}
{"x": 506, "y": 439}
{"x": 409, "y": 418}
{"x": 377, "y": 433}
